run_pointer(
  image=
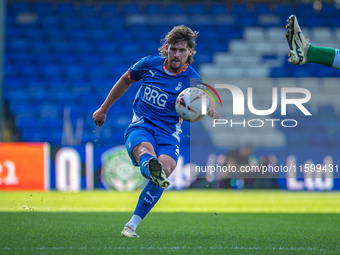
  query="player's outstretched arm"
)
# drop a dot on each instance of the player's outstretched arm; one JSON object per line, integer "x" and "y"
{"x": 116, "y": 92}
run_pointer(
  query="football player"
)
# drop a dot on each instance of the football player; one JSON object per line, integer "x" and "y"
{"x": 152, "y": 139}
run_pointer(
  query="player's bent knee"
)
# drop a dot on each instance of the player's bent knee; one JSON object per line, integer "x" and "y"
{"x": 143, "y": 148}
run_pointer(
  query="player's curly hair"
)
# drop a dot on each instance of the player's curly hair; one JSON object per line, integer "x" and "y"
{"x": 177, "y": 34}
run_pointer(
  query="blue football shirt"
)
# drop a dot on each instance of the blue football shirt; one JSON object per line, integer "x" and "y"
{"x": 155, "y": 99}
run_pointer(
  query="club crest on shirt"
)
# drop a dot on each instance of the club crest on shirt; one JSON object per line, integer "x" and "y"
{"x": 179, "y": 86}
{"x": 152, "y": 73}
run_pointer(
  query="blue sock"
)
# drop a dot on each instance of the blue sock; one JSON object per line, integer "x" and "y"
{"x": 144, "y": 165}
{"x": 148, "y": 198}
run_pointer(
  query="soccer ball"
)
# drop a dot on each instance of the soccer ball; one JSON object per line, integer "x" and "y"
{"x": 189, "y": 104}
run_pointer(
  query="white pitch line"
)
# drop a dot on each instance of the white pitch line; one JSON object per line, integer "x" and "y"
{"x": 165, "y": 248}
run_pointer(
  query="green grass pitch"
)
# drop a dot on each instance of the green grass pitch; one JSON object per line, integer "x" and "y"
{"x": 183, "y": 222}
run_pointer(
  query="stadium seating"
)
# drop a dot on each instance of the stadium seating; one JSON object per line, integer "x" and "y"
{"x": 61, "y": 55}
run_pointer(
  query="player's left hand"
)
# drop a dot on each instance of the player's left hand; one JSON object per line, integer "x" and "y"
{"x": 214, "y": 114}
{"x": 99, "y": 117}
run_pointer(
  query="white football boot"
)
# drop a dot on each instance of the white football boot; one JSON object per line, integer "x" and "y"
{"x": 297, "y": 42}
{"x": 129, "y": 231}
{"x": 157, "y": 174}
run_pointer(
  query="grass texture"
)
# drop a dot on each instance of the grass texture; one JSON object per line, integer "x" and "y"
{"x": 183, "y": 222}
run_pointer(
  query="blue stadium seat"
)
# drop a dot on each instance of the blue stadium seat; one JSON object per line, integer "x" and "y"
{"x": 87, "y": 10}
{"x": 247, "y": 21}
{"x": 31, "y": 135}
{"x": 324, "y": 71}
{"x": 44, "y": 60}
{"x": 28, "y": 73}
{"x": 114, "y": 24}
{"x": 218, "y": 46}
{"x": 90, "y": 60}
{"x": 280, "y": 72}
{"x": 54, "y": 138}
{"x": 74, "y": 72}
{"x": 11, "y": 71}
{"x": 262, "y": 8}
{"x": 49, "y": 110}
{"x": 66, "y": 60}
{"x": 10, "y": 22}
{"x": 15, "y": 97}
{"x": 40, "y": 96}
{"x": 203, "y": 57}
{"x": 88, "y": 136}
{"x": 13, "y": 33}
{"x": 150, "y": 48}
{"x": 80, "y": 84}
{"x": 23, "y": 110}
{"x": 40, "y": 48}
{"x": 50, "y": 25}
{"x": 25, "y": 123}
{"x": 209, "y": 36}
{"x": 57, "y": 85}
{"x": 108, "y": 8}
{"x": 201, "y": 22}
{"x": 202, "y": 47}
{"x": 97, "y": 74}
{"x": 175, "y": 9}
{"x": 17, "y": 46}
{"x": 240, "y": 8}
{"x": 326, "y": 111}
{"x": 131, "y": 8}
{"x": 13, "y": 84}
{"x": 124, "y": 36}
{"x": 93, "y": 24}
{"x": 77, "y": 36}
{"x": 82, "y": 48}
{"x": 102, "y": 87}
{"x": 319, "y": 139}
{"x": 331, "y": 21}
{"x": 297, "y": 139}
{"x": 71, "y": 23}
{"x": 43, "y": 8}
{"x": 331, "y": 126}
{"x": 305, "y": 10}
{"x": 284, "y": 9}
{"x": 33, "y": 35}
{"x": 302, "y": 72}
{"x": 151, "y": 9}
{"x": 329, "y": 10}
{"x": 64, "y": 97}
{"x": 218, "y": 9}
{"x": 64, "y": 9}
{"x": 311, "y": 21}
{"x": 54, "y": 35}
{"x": 61, "y": 48}
{"x": 99, "y": 36}
{"x": 34, "y": 86}
{"x": 129, "y": 48}
{"x": 231, "y": 33}
{"x": 18, "y": 7}
{"x": 197, "y": 9}
{"x": 308, "y": 124}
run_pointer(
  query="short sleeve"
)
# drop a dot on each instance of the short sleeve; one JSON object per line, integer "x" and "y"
{"x": 135, "y": 71}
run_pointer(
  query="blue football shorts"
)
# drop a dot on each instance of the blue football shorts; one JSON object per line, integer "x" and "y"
{"x": 163, "y": 142}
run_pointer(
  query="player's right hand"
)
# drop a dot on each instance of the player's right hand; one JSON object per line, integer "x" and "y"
{"x": 99, "y": 117}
